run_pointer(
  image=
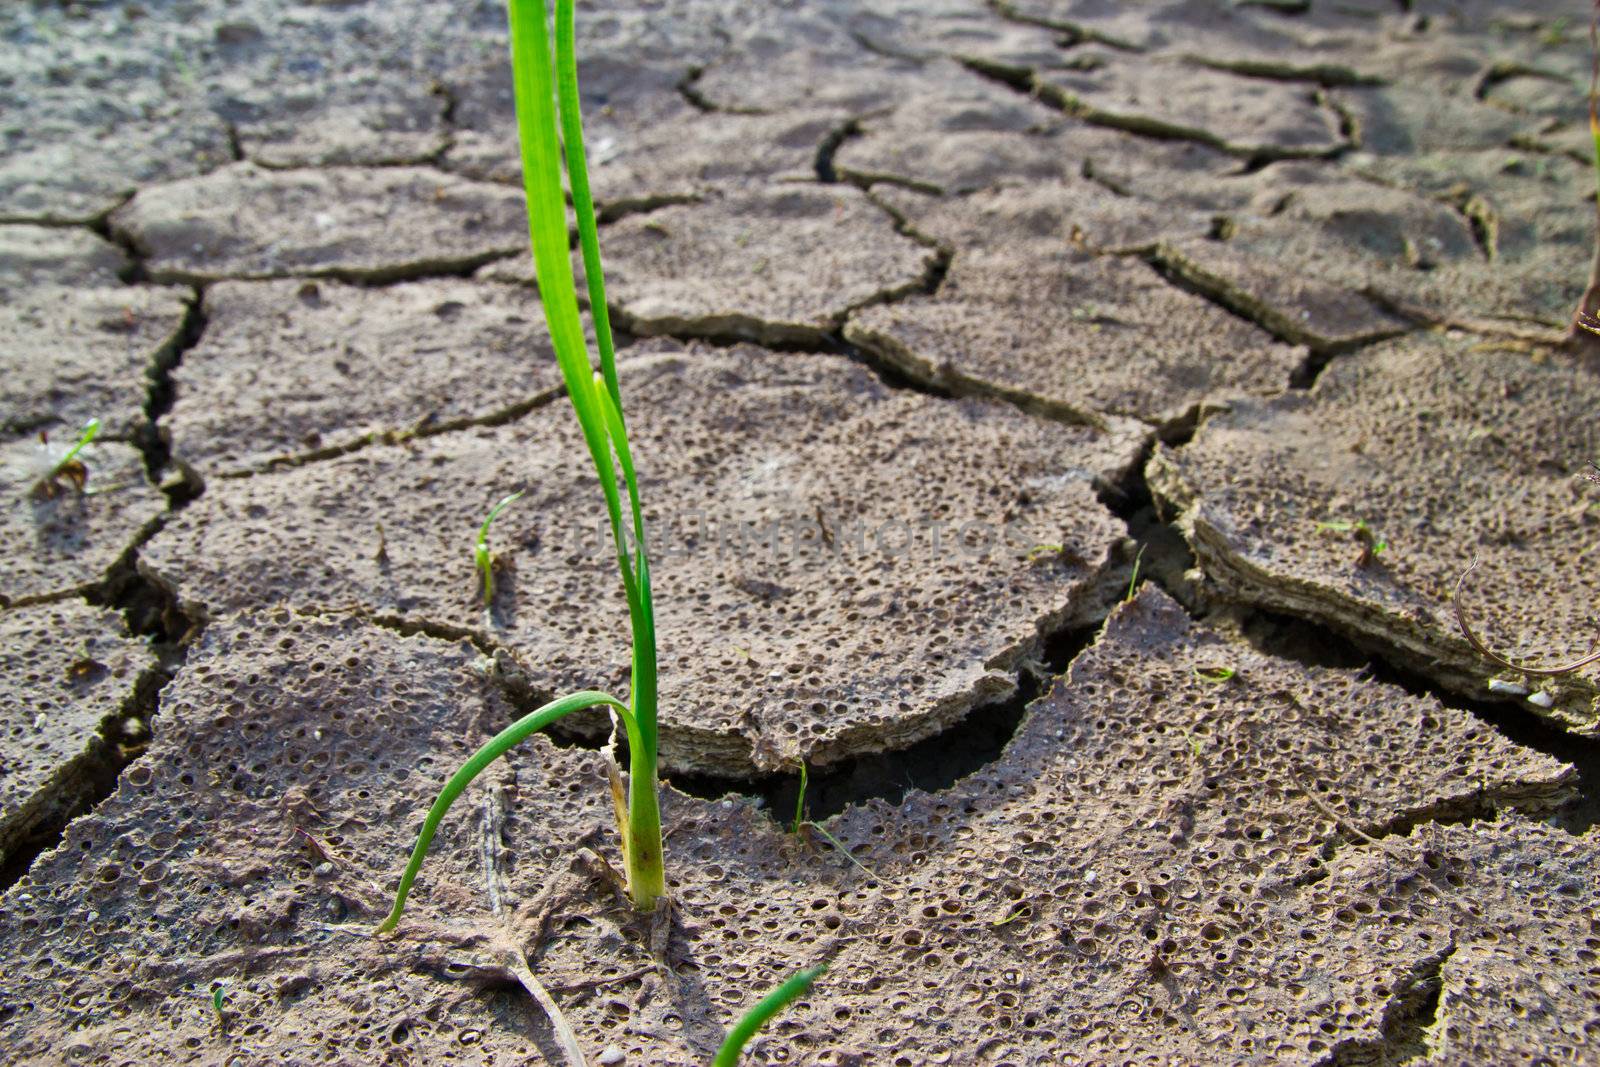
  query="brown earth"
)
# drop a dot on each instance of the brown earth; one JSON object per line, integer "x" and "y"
{"x": 947, "y": 327}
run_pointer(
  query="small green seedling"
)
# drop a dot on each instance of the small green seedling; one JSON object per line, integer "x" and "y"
{"x": 545, "y": 84}
{"x": 1372, "y": 546}
{"x": 1133, "y": 579}
{"x": 217, "y": 995}
{"x": 756, "y": 1017}
{"x": 480, "y": 548}
{"x": 1022, "y": 910}
{"x": 67, "y": 465}
{"x": 1214, "y": 674}
{"x": 1038, "y": 552}
{"x": 802, "y": 823}
{"x": 800, "y": 801}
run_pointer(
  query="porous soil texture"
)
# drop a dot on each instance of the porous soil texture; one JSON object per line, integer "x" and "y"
{"x": 1062, "y": 429}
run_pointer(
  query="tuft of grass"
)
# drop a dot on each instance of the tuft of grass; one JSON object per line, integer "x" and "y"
{"x": 545, "y": 84}
{"x": 66, "y": 466}
{"x": 800, "y": 801}
{"x": 756, "y": 1017}
{"x": 1372, "y": 546}
{"x": 480, "y": 548}
{"x": 801, "y": 823}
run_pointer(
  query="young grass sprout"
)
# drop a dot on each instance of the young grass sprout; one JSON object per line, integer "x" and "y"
{"x": 67, "y": 465}
{"x": 1372, "y": 546}
{"x": 480, "y": 549}
{"x": 545, "y": 83}
{"x": 802, "y": 823}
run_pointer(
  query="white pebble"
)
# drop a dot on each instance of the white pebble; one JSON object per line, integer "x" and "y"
{"x": 1500, "y": 685}
{"x": 611, "y": 1055}
{"x": 1542, "y": 698}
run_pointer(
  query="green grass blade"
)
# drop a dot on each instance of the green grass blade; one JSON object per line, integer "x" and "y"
{"x": 800, "y": 801}
{"x": 546, "y": 91}
{"x": 493, "y": 749}
{"x": 619, "y": 440}
{"x": 90, "y": 431}
{"x": 756, "y": 1017}
{"x": 534, "y": 90}
{"x": 480, "y": 548}
{"x": 582, "y": 201}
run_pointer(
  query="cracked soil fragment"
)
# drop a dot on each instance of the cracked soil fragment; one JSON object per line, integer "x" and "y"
{"x": 1339, "y": 261}
{"x": 362, "y": 118}
{"x": 779, "y": 265}
{"x": 1074, "y": 911}
{"x": 370, "y": 225}
{"x": 1170, "y": 98}
{"x": 69, "y": 671}
{"x": 1450, "y": 450}
{"x": 77, "y": 352}
{"x": 838, "y": 566}
{"x": 292, "y": 368}
{"x": 1029, "y": 313}
{"x": 291, "y": 759}
{"x": 65, "y": 544}
{"x": 57, "y": 255}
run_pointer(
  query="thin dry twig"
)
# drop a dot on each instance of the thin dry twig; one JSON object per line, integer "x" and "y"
{"x": 1341, "y": 822}
{"x": 509, "y": 954}
{"x": 596, "y": 983}
{"x": 1593, "y": 656}
{"x": 514, "y": 961}
{"x": 494, "y": 817}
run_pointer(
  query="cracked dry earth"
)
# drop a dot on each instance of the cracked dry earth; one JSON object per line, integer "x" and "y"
{"x": 996, "y": 370}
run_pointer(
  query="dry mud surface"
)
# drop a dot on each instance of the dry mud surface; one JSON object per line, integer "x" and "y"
{"x": 1020, "y": 389}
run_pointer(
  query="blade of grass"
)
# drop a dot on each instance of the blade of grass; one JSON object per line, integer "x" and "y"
{"x": 90, "y": 431}
{"x": 596, "y": 402}
{"x": 582, "y": 202}
{"x": 800, "y": 801}
{"x": 480, "y": 549}
{"x": 756, "y": 1017}
{"x": 494, "y": 748}
{"x": 534, "y": 91}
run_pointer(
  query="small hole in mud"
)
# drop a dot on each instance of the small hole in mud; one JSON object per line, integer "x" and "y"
{"x": 401, "y": 1033}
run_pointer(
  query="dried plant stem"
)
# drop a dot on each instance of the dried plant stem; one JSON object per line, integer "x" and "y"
{"x": 1483, "y": 650}
{"x": 511, "y": 957}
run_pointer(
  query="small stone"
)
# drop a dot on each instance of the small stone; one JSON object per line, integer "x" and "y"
{"x": 241, "y": 32}
{"x": 611, "y": 1055}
